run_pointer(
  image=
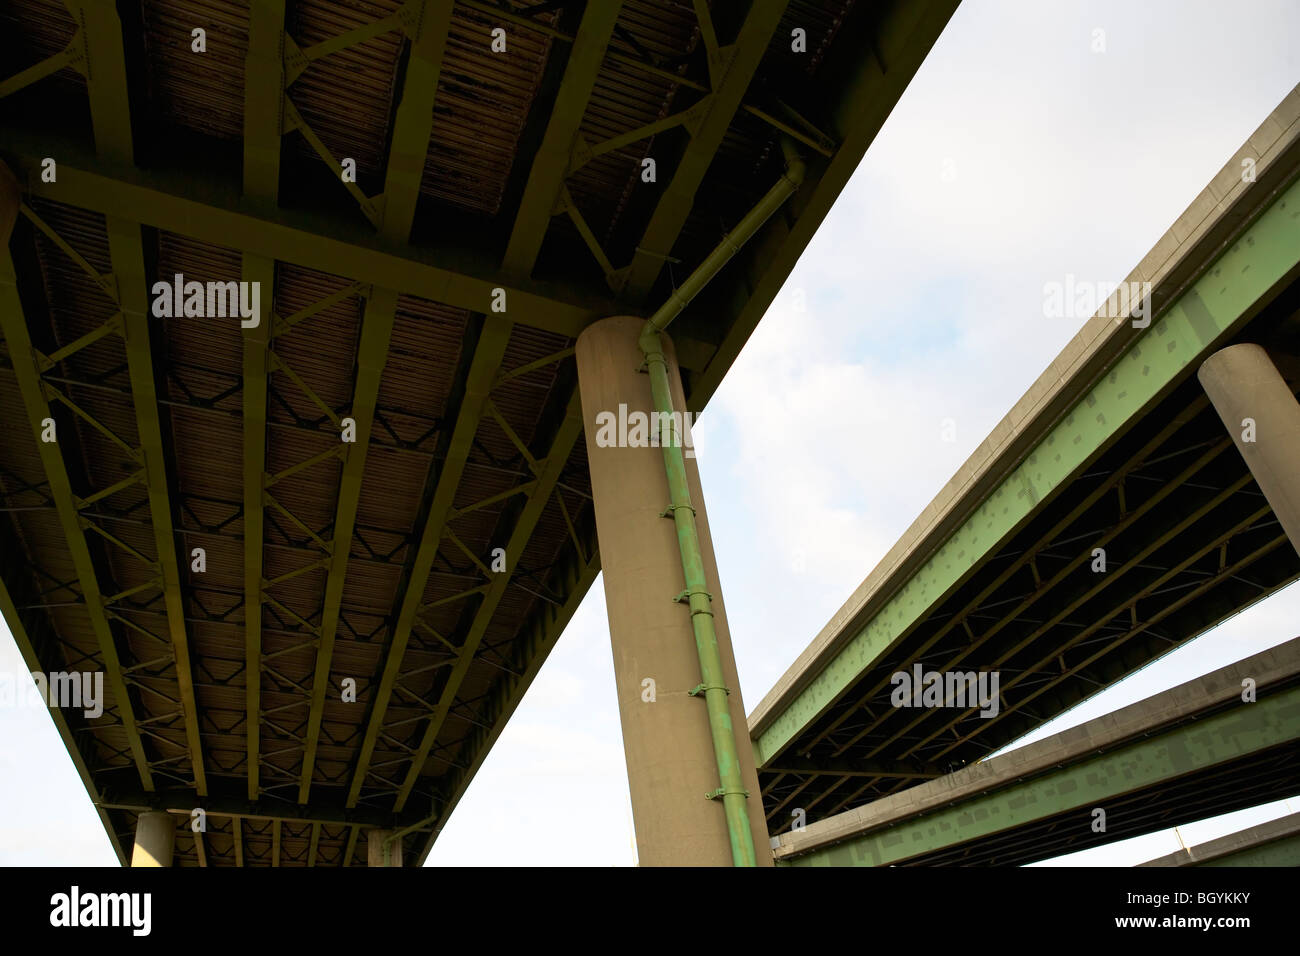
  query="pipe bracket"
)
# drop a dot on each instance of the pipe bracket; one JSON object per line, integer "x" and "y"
{"x": 669, "y": 511}
{"x": 723, "y": 791}
{"x": 686, "y": 595}
{"x": 699, "y": 689}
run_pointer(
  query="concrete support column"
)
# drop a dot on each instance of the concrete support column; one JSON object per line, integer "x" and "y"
{"x": 1263, "y": 418}
{"x": 155, "y": 838}
{"x": 666, "y": 740}
{"x": 375, "y": 849}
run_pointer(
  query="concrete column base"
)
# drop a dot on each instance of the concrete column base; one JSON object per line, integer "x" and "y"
{"x": 375, "y": 849}
{"x": 155, "y": 839}
{"x": 666, "y": 739}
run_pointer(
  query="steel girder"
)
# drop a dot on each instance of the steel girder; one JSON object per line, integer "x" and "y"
{"x": 1146, "y": 761}
{"x": 544, "y": 182}
{"x": 26, "y": 365}
{"x": 409, "y": 146}
{"x": 106, "y": 85}
{"x": 454, "y": 276}
{"x": 1244, "y": 273}
{"x": 707, "y": 132}
{"x": 263, "y": 128}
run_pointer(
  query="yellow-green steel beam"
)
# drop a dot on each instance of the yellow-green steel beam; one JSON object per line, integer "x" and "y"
{"x": 372, "y": 354}
{"x": 127, "y": 251}
{"x": 110, "y": 111}
{"x": 413, "y": 123}
{"x": 263, "y": 137}
{"x": 706, "y": 136}
{"x": 22, "y": 357}
{"x": 72, "y": 54}
{"x": 410, "y": 144}
{"x": 816, "y": 140}
{"x": 545, "y": 179}
{"x": 452, "y": 274}
{"x": 551, "y": 162}
{"x": 913, "y": 770}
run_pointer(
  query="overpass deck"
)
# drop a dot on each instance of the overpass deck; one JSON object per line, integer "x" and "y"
{"x": 1222, "y": 742}
{"x": 379, "y": 487}
{"x": 1116, "y": 454}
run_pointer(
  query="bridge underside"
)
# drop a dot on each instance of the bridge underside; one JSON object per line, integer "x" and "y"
{"x": 198, "y": 522}
{"x": 1189, "y": 542}
{"x": 1091, "y": 535}
{"x": 1194, "y": 751}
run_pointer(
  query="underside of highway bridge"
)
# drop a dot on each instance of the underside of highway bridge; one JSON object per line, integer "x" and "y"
{"x": 320, "y": 544}
{"x": 1200, "y": 749}
{"x": 1108, "y": 519}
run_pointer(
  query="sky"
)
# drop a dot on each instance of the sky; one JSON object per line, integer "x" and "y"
{"x": 1018, "y": 154}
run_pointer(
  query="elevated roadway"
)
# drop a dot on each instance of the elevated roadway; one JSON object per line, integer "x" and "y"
{"x": 1107, "y": 519}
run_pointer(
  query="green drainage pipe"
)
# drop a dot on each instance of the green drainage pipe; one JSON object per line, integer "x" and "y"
{"x": 713, "y": 687}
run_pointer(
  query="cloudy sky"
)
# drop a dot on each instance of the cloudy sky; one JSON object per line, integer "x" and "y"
{"x": 1017, "y": 155}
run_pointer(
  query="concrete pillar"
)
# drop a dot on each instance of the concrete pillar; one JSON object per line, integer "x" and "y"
{"x": 375, "y": 849}
{"x": 155, "y": 837}
{"x": 1263, "y": 418}
{"x": 669, "y": 751}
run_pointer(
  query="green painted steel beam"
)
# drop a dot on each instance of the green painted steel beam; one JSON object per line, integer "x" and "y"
{"x": 263, "y": 139}
{"x": 22, "y": 357}
{"x": 255, "y": 352}
{"x": 409, "y": 150}
{"x": 264, "y": 102}
{"x": 111, "y": 117}
{"x": 232, "y": 806}
{"x": 556, "y": 458}
{"x": 1198, "y": 745}
{"x": 372, "y": 355}
{"x": 216, "y": 212}
{"x": 675, "y": 204}
{"x": 106, "y": 85}
{"x": 552, "y": 159}
{"x": 351, "y": 849}
{"x": 410, "y": 144}
{"x": 545, "y": 179}
{"x": 127, "y": 251}
{"x": 1230, "y": 289}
